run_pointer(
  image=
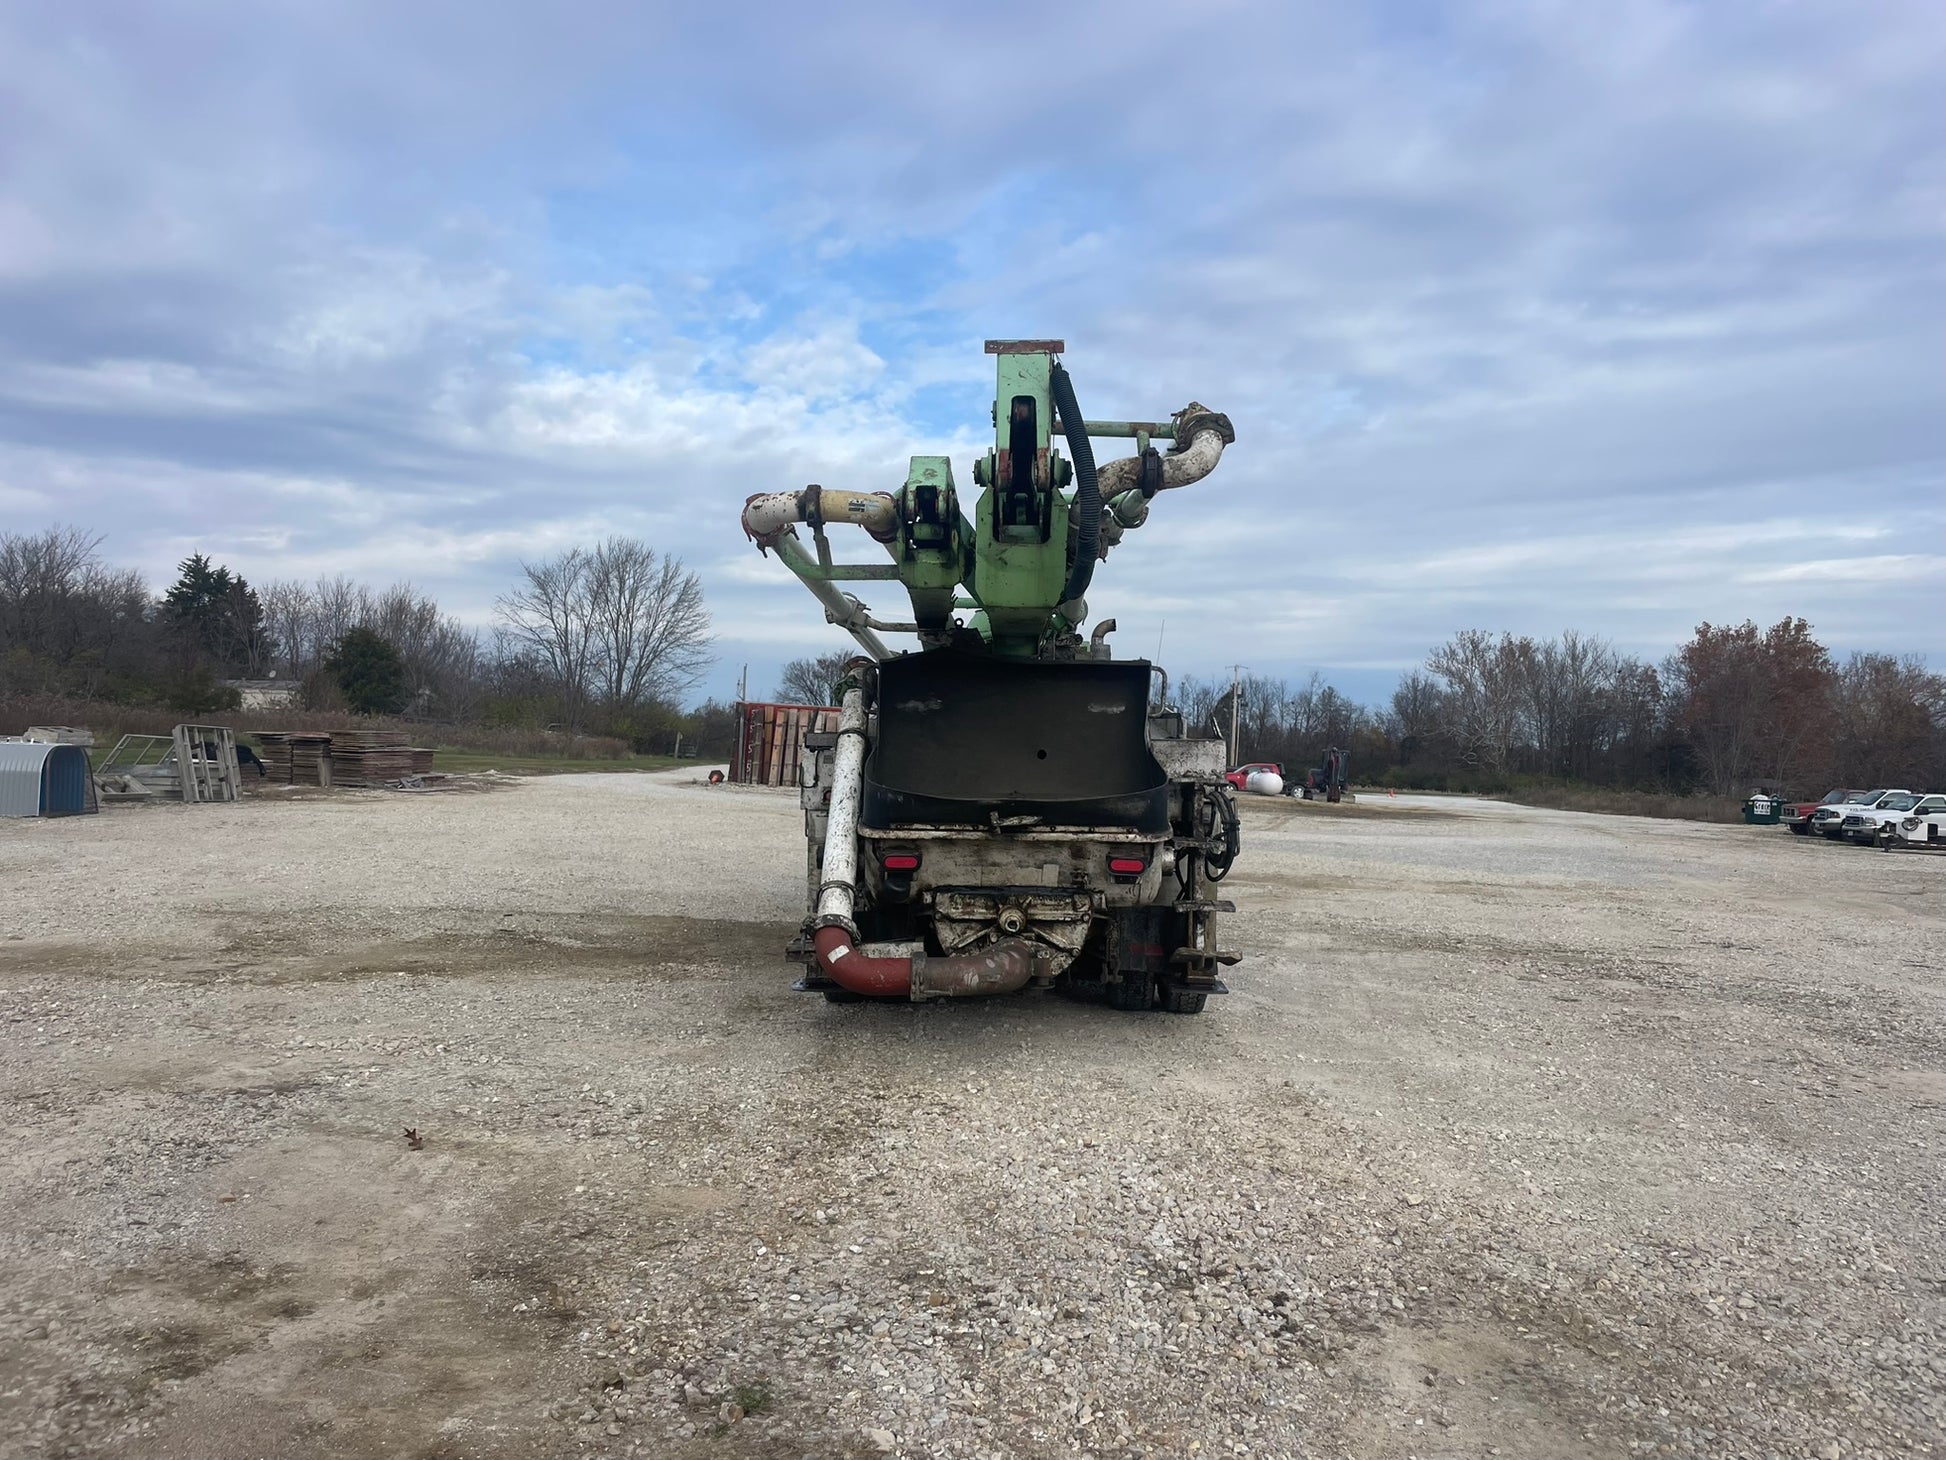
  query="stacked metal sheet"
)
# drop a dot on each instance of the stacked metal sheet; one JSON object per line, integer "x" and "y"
{"x": 369, "y": 757}
{"x": 295, "y": 757}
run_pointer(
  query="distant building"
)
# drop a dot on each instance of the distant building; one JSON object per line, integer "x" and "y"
{"x": 265, "y": 694}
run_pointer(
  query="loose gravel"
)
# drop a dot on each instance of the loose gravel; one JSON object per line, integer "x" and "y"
{"x": 1524, "y": 1133}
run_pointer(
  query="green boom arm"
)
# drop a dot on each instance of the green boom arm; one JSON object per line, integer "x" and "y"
{"x": 1015, "y": 564}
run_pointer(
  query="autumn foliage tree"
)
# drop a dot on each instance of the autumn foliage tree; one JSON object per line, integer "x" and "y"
{"x": 1754, "y": 704}
{"x": 1890, "y": 721}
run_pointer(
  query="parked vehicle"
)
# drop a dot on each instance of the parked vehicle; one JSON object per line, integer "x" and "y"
{"x": 1829, "y": 821}
{"x": 1260, "y": 777}
{"x": 1797, "y": 816}
{"x": 1324, "y": 781}
{"x": 1863, "y": 826}
{"x": 1915, "y": 829}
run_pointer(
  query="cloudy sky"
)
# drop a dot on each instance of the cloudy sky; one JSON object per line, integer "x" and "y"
{"x": 1529, "y": 315}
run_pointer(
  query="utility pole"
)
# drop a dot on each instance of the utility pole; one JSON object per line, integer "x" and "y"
{"x": 738, "y": 770}
{"x": 1236, "y": 688}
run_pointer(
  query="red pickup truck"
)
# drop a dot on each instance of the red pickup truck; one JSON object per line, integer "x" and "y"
{"x": 1797, "y": 816}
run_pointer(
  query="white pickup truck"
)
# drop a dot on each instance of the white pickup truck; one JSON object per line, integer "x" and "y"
{"x": 1863, "y": 824}
{"x": 1917, "y": 828}
{"x": 1829, "y": 820}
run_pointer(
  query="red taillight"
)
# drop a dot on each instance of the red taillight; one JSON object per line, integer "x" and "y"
{"x": 901, "y": 862}
{"x": 1127, "y": 866}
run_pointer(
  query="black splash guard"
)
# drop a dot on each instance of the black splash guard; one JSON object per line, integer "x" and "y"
{"x": 964, "y": 737}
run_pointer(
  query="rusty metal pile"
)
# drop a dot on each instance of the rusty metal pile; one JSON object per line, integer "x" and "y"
{"x": 770, "y": 740}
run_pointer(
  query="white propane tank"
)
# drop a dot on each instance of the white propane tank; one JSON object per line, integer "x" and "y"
{"x": 1264, "y": 783}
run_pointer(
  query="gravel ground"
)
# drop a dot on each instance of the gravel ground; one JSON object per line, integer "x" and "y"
{"x": 1525, "y": 1133}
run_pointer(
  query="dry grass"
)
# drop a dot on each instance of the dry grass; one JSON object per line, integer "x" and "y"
{"x": 109, "y": 721}
{"x": 1626, "y": 803}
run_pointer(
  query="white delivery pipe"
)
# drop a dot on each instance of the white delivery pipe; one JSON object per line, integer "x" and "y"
{"x": 841, "y": 821}
{"x": 1125, "y": 508}
{"x": 769, "y": 513}
{"x": 1179, "y": 468}
{"x": 1001, "y": 968}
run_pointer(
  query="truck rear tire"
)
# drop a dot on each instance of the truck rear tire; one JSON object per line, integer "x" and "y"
{"x": 1179, "y": 1000}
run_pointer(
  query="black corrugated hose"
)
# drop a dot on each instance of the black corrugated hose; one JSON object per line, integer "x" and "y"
{"x": 1218, "y": 867}
{"x": 1087, "y": 489}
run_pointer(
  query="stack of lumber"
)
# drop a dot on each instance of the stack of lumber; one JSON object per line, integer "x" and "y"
{"x": 421, "y": 760}
{"x": 369, "y": 757}
{"x": 275, "y": 753}
{"x": 293, "y": 756}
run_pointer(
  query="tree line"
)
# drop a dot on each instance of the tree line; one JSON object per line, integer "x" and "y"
{"x": 602, "y": 639}
{"x": 1736, "y": 708}
{"x": 608, "y": 638}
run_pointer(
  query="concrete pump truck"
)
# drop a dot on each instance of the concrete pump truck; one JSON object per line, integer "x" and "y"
{"x": 1009, "y": 806}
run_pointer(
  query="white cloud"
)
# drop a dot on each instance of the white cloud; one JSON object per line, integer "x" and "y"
{"x": 1527, "y": 315}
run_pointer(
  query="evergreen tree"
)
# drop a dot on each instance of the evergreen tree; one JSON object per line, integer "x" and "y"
{"x": 217, "y": 614}
{"x": 194, "y": 602}
{"x": 369, "y": 672}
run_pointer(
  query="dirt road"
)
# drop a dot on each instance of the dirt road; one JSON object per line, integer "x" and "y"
{"x": 1524, "y": 1133}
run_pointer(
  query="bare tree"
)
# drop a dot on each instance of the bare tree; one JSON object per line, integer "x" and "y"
{"x": 809, "y": 681}
{"x": 68, "y": 621}
{"x": 289, "y": 618}
{"x": 651, "y": 628}
{"x": 440, "y": 654}
{"x": 547, "y": 620}
{"x": 41, "y": 575}
{"x": 616, "y": 624}
{"x": 1484, "y": 683}
{"x": 1417, "y": 712}
{"x": 1199, "y": 699}
{"x": 1567, "y": 685}
{"x": 338, "y": 607}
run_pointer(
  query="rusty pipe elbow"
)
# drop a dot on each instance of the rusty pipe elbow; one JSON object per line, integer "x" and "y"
{"x": 1000, "y": 969}
{"x": 841, "y": 962}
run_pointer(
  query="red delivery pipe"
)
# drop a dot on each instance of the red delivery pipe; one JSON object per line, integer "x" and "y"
{"x": 999, "y": 969}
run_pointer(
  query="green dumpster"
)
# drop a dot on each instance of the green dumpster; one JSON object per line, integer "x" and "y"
{"x": 1762, "y": 810}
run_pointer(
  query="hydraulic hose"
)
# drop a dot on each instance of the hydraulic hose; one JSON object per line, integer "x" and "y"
{"x": 1216, "y": 866}
{"x": 1086, "y": 512}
